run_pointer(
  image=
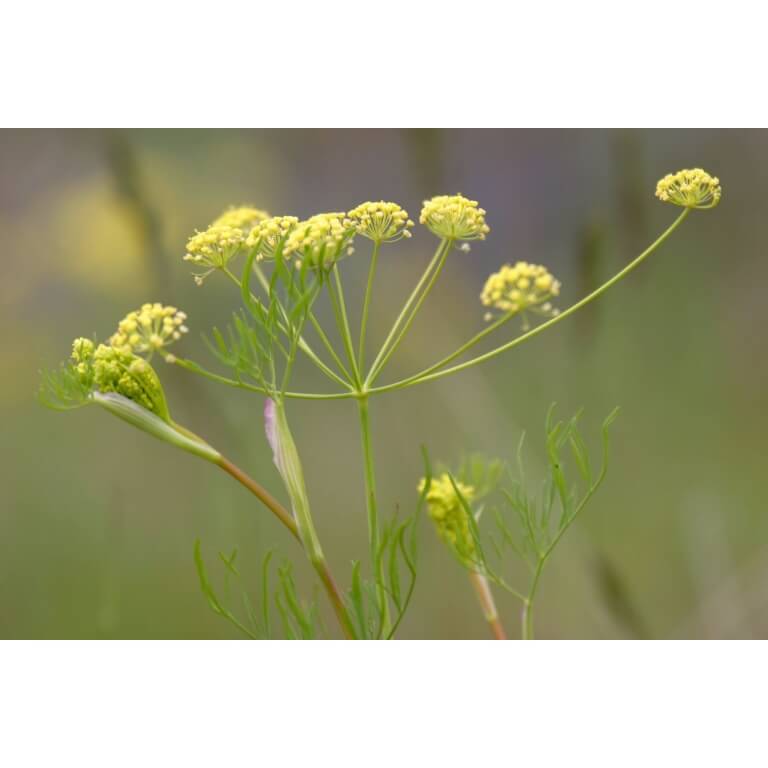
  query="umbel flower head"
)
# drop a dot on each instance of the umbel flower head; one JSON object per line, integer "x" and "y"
{"x": 521, "y": 287}
{"x": 124, "y": 384}
{"x": 149, "y": 329}
{"x": 107, "y": 369}
{"x": 267, "y": 235}
{"x": 693, "y": 188}
{"x": 449, "y": 514}
{"x": 381, "y": 222}
{"x": 320, "y": 240}
{"x": 454, "y": 217}
{"x": 213, "y": 248}
{"x": 244, "y": 217}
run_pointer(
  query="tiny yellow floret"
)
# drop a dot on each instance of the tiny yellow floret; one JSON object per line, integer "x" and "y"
{"x": 520, "y": 288}
{"x": 381, "y": 222}
{"x": 149, "y": 329}
{"x": 454, "y": 217}
{"x": 693, "y": 188}
{"x": 449, "y": 514}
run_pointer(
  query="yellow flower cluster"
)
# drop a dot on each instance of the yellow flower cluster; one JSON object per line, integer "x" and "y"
{"x": 267, "y": 235}
{"x": 321, "y": 239}
{"x": 82, "y": 359}
{"x": 448, "y": 513}
{"x": 454, "y": 217}
{"x": 693, "y": 188}
{"x": 381, "y": 222}
{"x": 244, "y": 217}
{"x": 521, "y": 287}
{"x": 149, "y": 329}
{"x": 110, "y": 369}
{"x": 213, "y": 248}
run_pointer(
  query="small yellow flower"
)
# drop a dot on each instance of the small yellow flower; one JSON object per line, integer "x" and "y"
{"x": 213, "y": 248}
{"x": 244, "y": 217}
{"x": 690, "y": 189}
{"x": 381, "y": 222}
{"x": 267, "y": 235}
{"x": 149, "y": 329}
{"x": 321, "y": 239}
{"x": 521, "y": 287}
{"x": 454, "y": 217}
{"x": 448, "y": 513}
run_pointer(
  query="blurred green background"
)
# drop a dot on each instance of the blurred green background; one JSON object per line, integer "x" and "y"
{"x": 98, "y": 521}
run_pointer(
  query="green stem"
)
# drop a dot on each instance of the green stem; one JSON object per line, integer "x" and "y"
{"x": 527, "y": 632}
{"x": 374, "y": 534}
{"x": 331, "y": 350}
{"x": 366, "y": 305}
{"x": 424, "y": 376}
{"x": 189, "y": 365}
{"x": 342, "y": 321}
{"x": 476, "y": 339}
{"x": 442, "y": 249}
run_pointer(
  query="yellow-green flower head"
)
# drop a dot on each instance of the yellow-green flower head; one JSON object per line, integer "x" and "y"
{"x": 243, "y": 217}
{"x": 381, "y": 222}
{"x": 693, "y": 188}
{"x": 118, "y": 370}
{"x": 448, "y": 513}
{"x": 149, "y": 329}
{"x": 321, "y": 239}
{"x": 454, "y": 217}
{"x": 214, "y": 248}
{"x": 521, "y": 287}
{"x": 82, "y": 360}
{"x": 267, "y": 235}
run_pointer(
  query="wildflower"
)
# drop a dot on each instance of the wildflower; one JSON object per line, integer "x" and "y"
{"x": 454, "y": 217}
{"x": 213, "y": 248}
{"x": 690, "y": 188}
{"x": 521, "y": 287}
{"x": 381, "y": 222}
{"x": 149, "y": 329}
{"x": 267, "y": 235}
{"x": 244, "y": 217}
{"x": 321, "y": 239}
{"x": 449, "y": 514}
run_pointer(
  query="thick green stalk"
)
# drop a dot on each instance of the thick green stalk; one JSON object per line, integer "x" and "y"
{"x": 424, "y": 376}
{"x": 374, "y": 533}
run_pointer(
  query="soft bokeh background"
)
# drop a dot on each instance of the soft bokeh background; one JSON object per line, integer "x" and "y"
{"x": 98, "y": 521}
